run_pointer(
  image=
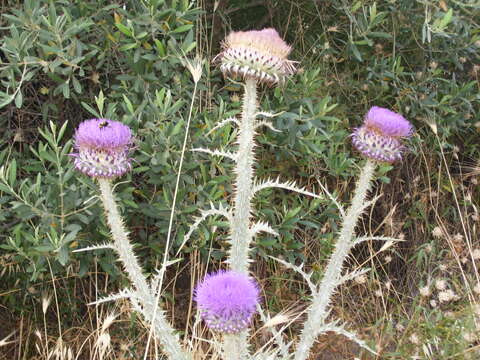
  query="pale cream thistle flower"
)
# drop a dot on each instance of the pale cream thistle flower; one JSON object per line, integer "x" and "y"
{"x": 476, "y": 254}
{"x": 437, "y": 232}
{"x": 440, "y": 284}
{"x": 446, "y": 296}
{"x": 414, "y": 339}
{"x": 476, "y": 289}
{"x": 261, "y": 55}
{"x": 362, "y": 279}
{"x": 425, "y": 291}
{"x": 470, "y": 337}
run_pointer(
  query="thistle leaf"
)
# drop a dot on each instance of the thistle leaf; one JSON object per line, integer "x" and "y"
{"x": 266, "y": 123}
{"x": 299, "y": 269}
{"x": 217, "y": 152}
{"x": 289, "y": 185}
{"x": 349, "y": 335}
{"x": 222, "y": 124}
{"x": 123, "y": 294}
{"x": 334, "y": 200}
{"x": 96, "y": 247}
{"x": 352, "y": 275}
{"x": 205, "y": 214}
{"x": 262, "y": 226}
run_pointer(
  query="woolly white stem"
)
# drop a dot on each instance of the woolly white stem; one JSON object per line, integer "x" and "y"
{"x": 122, "y": 245}
{"x": 318, "y": 309}
{"x": 235, "y": 346}
{"x": 241, "y": 237}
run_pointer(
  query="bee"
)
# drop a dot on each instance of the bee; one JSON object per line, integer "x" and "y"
{"x": 103, "y": 124}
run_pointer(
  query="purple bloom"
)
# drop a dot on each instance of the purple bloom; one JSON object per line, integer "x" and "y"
{"x": 379, "y": 138}
{"x": 227, "y": 300}
{"x": 388, "y": 122}
{"x": 103, "y": 146}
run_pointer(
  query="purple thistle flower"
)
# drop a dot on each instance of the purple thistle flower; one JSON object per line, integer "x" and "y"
{"x": 261, "y": 55}
{"x": 103, "y": 146}
{"x": 379, "y": 138}
{"x": 227, "y": 300}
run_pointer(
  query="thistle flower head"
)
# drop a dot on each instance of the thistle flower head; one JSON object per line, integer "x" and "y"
{"x": 227, "y": 301}
{"x": 257, "y": 54}
{"x": 102, "y": 147}
{"x": 379, "y": 138}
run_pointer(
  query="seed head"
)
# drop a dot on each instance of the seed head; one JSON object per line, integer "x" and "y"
{"x": 227, "y": 301}
{"x": 102, "y": 147}
{"x": 379, "y": 138}
{"x": 261, "y": 55}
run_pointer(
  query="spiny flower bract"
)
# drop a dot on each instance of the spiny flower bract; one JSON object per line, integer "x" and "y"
{"x": 257, "y": 54}
{"x": 227, "y": 301}
{"x": 102, "y": 147}
{"x": 379, "y": 138}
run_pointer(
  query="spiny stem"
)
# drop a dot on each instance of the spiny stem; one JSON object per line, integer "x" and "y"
{"x": 318, "y": 310}
{"x": 241, "y": 236}
{"x": 163, "y": 330}
{"x": 235, "y": 346}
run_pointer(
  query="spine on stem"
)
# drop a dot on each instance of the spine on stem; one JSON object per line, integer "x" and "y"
{"x": 257, "y": 57}
{"x": 241, "y": 236}
{"x": 318, "y": 310}
{"x": 378, "y": 139}
{"x": 146, "y": 298}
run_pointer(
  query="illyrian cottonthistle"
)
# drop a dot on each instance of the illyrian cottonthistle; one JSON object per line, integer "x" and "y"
{"x": 227, "y": 301}
{"x": 261, "y": 55}
{"x": 102, "y": 147}
{"x": 379, "y": 138}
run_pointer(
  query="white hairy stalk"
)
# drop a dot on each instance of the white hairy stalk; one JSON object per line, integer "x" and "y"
{"x": 143, "y": 297}
{"x": 235, "y": 346}
{"x": 241, "y": 236}
{"x": 318, "y": 310}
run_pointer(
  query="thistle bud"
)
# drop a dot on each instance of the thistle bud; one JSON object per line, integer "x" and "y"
{"x": 379, "y": 138}
{"x": 261, "y": 55}
{"x": 102, "y": 148}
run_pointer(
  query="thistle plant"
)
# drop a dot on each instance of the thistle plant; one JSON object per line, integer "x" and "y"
{"x": 228, "y": 300}
{"x": 255, "y": 57}
{"x": 379, "y": 140}
{"x": 102, "y": 152}
{"x": 260, "y": 57}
